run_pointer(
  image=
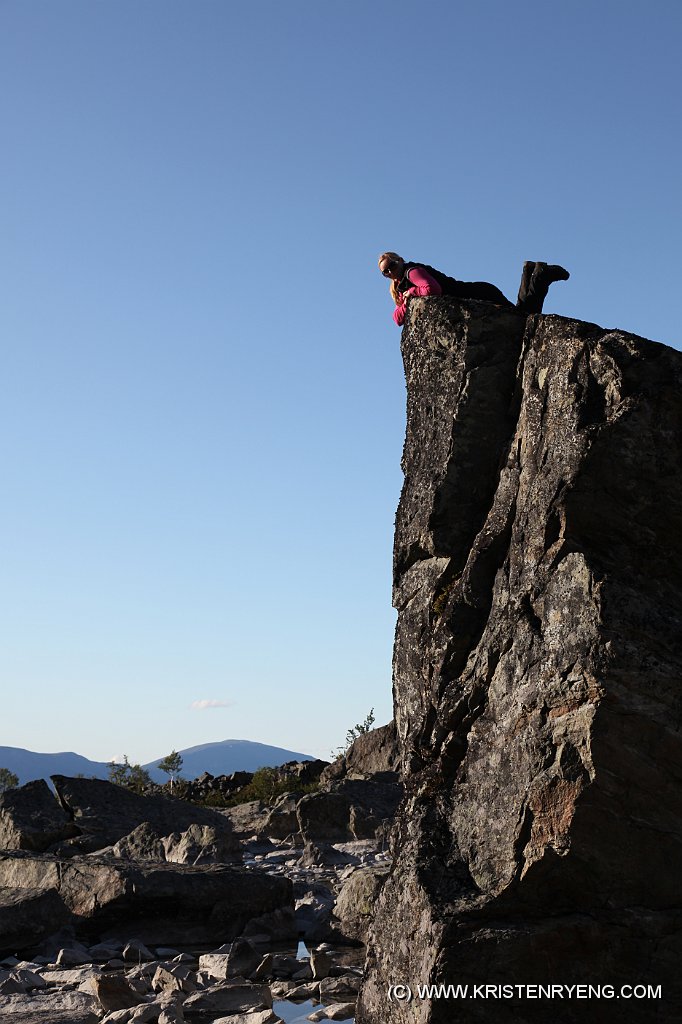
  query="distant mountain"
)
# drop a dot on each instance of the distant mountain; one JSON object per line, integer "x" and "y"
{"x": 228, "y": 756}
{"x": 220, "y": 758}
{"x": 29, "y": 765}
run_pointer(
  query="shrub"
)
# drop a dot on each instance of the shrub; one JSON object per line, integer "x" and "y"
{"x": 132, "y": 776}
{"x": 266, "y": 785}
{"x": 359, "y": 729}
{"x": 8, "y": 780}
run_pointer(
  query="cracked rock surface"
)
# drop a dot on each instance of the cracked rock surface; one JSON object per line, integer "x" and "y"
{"x": 537, "y": 667}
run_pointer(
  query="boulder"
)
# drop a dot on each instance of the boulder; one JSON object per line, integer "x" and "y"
{"x": 147, "y": 1013}
{"x": 32, "y": 819}
{"x": 374, "y": 802}
{"x": 355, "y": 905}
{"x": 351, "y": 808}
{"x": 108, "y": 950}
{"x": 104, "y": 813}
{"x": 29, "y": 915}
{"x": 225, "y": 999}
{"x": 136, "y": 952}
{"x": 174, "y": 978}
{"x": 113, "y": 992}
{"x": 215, "y": 964}
{"x": 282, "y": 821}
{"x": 337, "y": 1011}
{"x": 376, "y": 797}
{"x": 259, "y": 1017}
{"x": 301, "y": 773}
{"x": 247, "y": 819}
{"x": 28, "y": 979}
{"x": 168, "y": 902}
{"x": 243, "y": 958}
{"x": 284, "y": 966}
{"x": 200, "y": 844}
{"x": 264, "y": 969}
{"x": 298, "y": 991}
{"x": 373, "y": 753}
{"x": 313, "y": 912}
{"x": 324, "y": 816}
{"x": 275, "y": 926}
{"x": 143, "y": 843}
{"x": 71, "y": 975}
{"x": 320, "y": 963}
{"x": 340, "y": 989}
{"x": 50, "y": 1008}
{"x": 73, "y": 955}
{"x": 11, "y": 986}
{"x": 537, "y": 667}
{"x": 323, "y": 855}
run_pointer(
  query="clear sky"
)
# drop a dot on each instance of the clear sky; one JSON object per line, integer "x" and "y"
{"x": 202, "y": 396}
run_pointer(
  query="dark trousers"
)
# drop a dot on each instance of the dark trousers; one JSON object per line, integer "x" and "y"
{"x": 477, "y": 290}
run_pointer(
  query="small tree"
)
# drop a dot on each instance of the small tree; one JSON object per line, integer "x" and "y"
{"x": 132, "y": 776}
{"x": 359, "y": 729}
{"x": 8, "y": 780}
{"x": 171, "y": 765}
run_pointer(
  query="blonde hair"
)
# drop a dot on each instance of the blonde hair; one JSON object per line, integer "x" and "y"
{"x": 393, "y": 287}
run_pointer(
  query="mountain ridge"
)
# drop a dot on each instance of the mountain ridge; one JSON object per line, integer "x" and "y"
{"x": 221, "y": 757}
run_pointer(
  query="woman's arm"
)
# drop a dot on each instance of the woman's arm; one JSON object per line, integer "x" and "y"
{"x": 422, "y": 283}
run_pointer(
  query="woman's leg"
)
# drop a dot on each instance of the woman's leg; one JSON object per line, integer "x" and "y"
{"x": 480, "y": 290}
{"x": 535, "y": 281}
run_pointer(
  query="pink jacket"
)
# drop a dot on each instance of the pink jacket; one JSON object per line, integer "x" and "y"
{"x": 422, "y": 284}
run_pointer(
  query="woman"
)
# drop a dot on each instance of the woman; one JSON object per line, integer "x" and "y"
{"x": 409, "y": 279}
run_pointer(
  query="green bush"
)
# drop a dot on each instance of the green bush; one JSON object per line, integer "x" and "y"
{"x": 132, "y": 776}
{"x": 265, "y": 785}
{"x": 359, "y": 729}
{"x": 8, "y": 780}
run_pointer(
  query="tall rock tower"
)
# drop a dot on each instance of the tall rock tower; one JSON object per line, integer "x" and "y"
{"x": 537, "y": 676}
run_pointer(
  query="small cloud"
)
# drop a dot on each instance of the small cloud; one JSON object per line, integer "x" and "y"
{"x": 203, "y": 705}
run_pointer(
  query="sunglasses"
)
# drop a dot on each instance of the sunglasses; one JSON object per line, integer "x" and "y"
{"x": 388, "y": 268}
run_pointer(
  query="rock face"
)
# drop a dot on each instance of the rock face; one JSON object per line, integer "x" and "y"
{"x": 537, "y": 668}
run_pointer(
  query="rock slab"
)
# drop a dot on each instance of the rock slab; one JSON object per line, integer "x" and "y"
{"x": 167, "y": 902}
{"x": 105, "y": 813}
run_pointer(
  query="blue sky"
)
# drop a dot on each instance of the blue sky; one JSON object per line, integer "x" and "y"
{"x": 201, "y": 391}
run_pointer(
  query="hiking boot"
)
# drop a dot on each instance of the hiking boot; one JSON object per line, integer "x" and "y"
{"x": 526, "y": 275}
{"x": 535, "y": 282}
{"x": 556, "y": 273}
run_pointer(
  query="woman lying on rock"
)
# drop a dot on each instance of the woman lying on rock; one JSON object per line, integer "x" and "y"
{"x": 409, "y": 279}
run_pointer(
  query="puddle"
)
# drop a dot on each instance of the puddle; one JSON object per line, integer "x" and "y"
{"x": 297, "y": 1013}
